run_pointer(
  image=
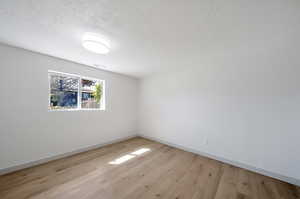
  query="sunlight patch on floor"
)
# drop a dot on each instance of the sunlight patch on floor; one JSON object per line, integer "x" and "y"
{"x": 140, "y": 151}
{"x": 127, "y": 157}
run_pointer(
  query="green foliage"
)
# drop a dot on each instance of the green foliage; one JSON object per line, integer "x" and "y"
{"x": 98, "y": 92}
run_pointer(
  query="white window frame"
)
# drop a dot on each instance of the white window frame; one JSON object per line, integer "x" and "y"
{"x": 102, "y": 101}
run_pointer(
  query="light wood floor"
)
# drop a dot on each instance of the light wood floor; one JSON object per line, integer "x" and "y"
{"x": 162, "y": 172}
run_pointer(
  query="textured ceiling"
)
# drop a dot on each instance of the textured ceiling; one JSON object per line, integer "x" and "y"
{"x": 152, "y": 36}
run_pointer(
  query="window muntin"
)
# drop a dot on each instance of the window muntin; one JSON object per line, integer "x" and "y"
{"x": 73, "y": 92}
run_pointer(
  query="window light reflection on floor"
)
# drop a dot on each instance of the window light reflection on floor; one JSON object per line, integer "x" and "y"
{"x": 122, "y": 159}
{"x": 140, "y": 151}
{"x": 127, "y": 157}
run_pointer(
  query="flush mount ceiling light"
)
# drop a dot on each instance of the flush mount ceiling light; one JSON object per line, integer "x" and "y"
{"x": 95, "y": 43}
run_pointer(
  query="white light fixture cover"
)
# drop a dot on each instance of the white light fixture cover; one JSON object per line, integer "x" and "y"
{"x": 95, "y": 43}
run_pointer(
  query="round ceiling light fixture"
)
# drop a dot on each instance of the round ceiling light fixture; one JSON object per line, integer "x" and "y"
{"x": 95, "y": 43}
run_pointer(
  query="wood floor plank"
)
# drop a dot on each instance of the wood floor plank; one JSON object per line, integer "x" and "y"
{"x": 187, "y": 185}
{"x": 150, "y": 170}
{"x": 46, "y": 176}
{"x": 227, "y": 188}
{"x": 168, "y": 179}
{"x": 208, "y": 180}
{"x": 30, "y": 174}
{"x": 169, "y": 172}
{"x": 95, "y": 177}
{"x": 121, "y": 173}
{"x": 244, "y": 188}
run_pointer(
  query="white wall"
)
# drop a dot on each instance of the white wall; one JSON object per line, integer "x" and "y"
{"x": 29, "y": 132}
{"x": 247, "y": 108}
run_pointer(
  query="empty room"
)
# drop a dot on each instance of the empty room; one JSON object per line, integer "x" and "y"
{"x": 157, "y": 99}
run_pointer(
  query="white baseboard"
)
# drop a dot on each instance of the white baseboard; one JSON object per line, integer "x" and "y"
{"x": 55, "y": 157}
{"x": 234, "y": 163}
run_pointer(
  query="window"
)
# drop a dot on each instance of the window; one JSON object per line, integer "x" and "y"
{"x": 64, "y": 91}
{"x": 91, "y": 92}
{"x": 73, "y": 92}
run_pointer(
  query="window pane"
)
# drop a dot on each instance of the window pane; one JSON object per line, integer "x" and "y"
{"x": 91, "y": 93}
{"x": 63, "y": 92}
